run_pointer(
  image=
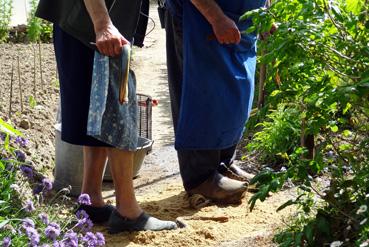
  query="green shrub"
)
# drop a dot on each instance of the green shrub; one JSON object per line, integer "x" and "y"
{"x": 5, "y": 17}
{"x": 279, "y": 134}
{"x": 321, "y": 55}
{"x": 34, "y": 29}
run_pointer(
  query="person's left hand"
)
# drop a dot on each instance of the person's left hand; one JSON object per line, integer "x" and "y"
{"x": 226, "y": 30}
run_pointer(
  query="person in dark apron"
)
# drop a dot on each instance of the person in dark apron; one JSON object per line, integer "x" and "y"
{"x": 77, "y": 23}
{"x": 211, "y": 69}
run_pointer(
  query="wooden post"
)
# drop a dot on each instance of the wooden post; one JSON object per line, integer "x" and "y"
{"x": 1, "y": 91}
{"x": 20, "y": 84}
{"x": 307, "y": 141}
{"x": 40, "y": 61}
{"x": 262, "y": 79}
{"x": 262, "y": 73}
{"x": 34, "y": 72}
{"x": 11, "y": 92}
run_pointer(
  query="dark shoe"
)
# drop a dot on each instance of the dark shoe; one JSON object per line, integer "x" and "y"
{"x": 98, "y": 215}
{"x": 235, "y": 172}
{"x": 118, "y": 223}
{"x": 221, "y": 189}
{"x": 225, "y": 171}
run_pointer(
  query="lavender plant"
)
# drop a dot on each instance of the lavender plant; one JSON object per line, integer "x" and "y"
{"x": 29, "y": 209}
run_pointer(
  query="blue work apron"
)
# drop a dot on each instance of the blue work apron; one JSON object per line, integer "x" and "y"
{"x": 218, "y": 80}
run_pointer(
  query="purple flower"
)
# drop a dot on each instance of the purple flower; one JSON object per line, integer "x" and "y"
{"x": 84, "y": 199}
{"x": 27, "y": 171}
{"x": 6, "y": 242}
{"x": 33, "y": 236}
{"x": 81, "y": 214}
{"x": 52, "y": 231}
{"x": 70, "y": 239}
{"x": 28, "y": 223}
{"x": 9, "y": 165}
{"x": 48, "y": 185}
{"x": 20, "y": 156}
{"x": 84, "y": 225}
{"x": 44, "y": 218}
{"x": 29, "y": 206}
{"x": 37, "y": 189}
{"x": 58, "y": 244}
{"x": 100, "y": 240}
{"x": 90, "y": 239}
{"x": 21, "y": 141}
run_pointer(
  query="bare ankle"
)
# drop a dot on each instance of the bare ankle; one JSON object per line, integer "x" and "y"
{"x": 130, "y": 213}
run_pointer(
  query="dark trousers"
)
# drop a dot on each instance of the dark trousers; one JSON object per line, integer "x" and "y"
{"x": 195, "y": 165}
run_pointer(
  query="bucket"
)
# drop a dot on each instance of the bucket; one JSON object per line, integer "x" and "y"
{"x": 69, "y": 162}
{"x": 144, "y": 146}
{"x": 69, "y": 158}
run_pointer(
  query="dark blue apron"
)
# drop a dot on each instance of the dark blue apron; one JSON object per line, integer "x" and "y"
{"x": 218, "y": 82}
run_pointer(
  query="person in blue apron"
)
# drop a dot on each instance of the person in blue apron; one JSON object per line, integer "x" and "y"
{"x": 77, "y": 24}
{"x": 211, "y": 69}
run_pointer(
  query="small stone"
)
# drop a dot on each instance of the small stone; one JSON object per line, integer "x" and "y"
{"x": 25, "y": 124}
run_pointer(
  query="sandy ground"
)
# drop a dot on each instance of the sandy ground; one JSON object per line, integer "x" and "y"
{"x": 158, "y": 186}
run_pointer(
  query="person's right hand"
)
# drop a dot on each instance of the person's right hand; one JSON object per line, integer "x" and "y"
{"x": 226, "y": 30}
{"x": 109, "y": 40}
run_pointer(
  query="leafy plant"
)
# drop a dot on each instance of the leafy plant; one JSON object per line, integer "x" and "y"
{"x": 34, "y": 29}
{"x": 5, "y": 17}
{"x": 279, "y": 134}
{"x": 319, "y": 66}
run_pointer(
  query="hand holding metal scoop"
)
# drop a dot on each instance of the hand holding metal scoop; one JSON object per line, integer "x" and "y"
{"x": 126, "y": 58}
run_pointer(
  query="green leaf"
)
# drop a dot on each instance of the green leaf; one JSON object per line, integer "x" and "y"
{"x": 334, "y": 128}
{"x": 354, "y": 6}
{"x": 309, "y": 233}
{"x": 32, "y": 102}
{"x": 347, "y": 107}
{"x": 286, "y": 204}
{"x": 4, "y": 223}
{"x": 344, "y": 147}
{"x": 346, "y": 133}
{"x": 275, "y": 92}
{"x": 323, "y": 225}
{"x": 8, "y": 129}
{"x": 262, "y": 177}
{"x": 6, "y": 142}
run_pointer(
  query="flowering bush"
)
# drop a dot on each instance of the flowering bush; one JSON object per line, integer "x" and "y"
{"x": 30, "y": 212}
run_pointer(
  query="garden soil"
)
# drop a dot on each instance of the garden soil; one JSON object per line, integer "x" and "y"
{"x": 158, "y": 185}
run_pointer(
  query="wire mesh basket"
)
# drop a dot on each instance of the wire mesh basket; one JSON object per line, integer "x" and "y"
{"x": 144, "y": 116}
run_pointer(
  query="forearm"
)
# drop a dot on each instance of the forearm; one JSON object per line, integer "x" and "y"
{"x": 209, "y": 9}
{"x": 98, "y": 13}
{"x": 225, "y": 29}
